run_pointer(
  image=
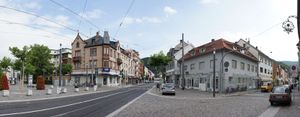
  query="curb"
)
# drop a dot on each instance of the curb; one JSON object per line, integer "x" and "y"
{"x": 51, "y": 98}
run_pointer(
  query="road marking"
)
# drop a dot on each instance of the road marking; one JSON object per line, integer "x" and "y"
{"x": 63, "y": 106}
{"x": 270, "y": 112}
{"x": 126, "y": 105}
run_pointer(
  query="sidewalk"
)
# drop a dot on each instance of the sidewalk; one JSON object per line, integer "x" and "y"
{"x": 196, "y": 94}
{"x": 19, "y": 93}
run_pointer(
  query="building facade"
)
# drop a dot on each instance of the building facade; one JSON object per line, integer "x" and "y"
{"x": 240, "y": 72}
{"x": 265, "y": 68}
{"x": 173, "y": 68}
{"x": 98, "y": 60}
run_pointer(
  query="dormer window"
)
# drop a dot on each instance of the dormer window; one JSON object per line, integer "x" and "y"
{"x": 77, "y": 45}
{"x": 202, "y": 50}
{"x": 93, "y": 41}
{"x": 234, "y": 48}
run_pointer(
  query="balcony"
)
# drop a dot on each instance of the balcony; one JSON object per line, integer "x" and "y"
{"x": 77, "y": 59}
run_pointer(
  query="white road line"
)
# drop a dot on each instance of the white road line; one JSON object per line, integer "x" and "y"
{"x": 126, "y": 105}
{"x": 270, "y": 112}
{"x": 63, "y": 106}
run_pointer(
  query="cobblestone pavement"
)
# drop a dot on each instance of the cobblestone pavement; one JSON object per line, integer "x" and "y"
{"x": 181, "y": 106}
{"x": 19, "y": 93}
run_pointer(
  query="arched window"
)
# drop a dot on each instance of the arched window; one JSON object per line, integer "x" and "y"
{"x": 77, "y": 45}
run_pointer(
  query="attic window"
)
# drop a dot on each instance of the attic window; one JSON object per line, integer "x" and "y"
{"x": 202, "y": 50}
{"x": 77, "y": 45}
{"x": 93, "y": 41}
{"x": 234, "y": 48}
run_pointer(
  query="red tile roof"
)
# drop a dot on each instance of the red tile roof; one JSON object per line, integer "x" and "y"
{"x": 220, "y": 44}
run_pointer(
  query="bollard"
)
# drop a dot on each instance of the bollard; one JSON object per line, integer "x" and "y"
{"x": 76, "y": 89}
{"x": 95, "y": 87}
{"x": 86, "y": 88}
{"x": 29, "y": 92}
{"x": 49, "y": 92}
{"x": 58, "y": 90}
{"x": 5, "y": 93}
{"x": 64, "y": 90}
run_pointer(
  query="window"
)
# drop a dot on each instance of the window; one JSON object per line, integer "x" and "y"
{"x": 201, "y": 65}
{"x": 230, "y": 80}
{"x": 242, "y": 65}
{"x": 202, "y": 50}
{"x": 192, "y": 66}
{"x": 234, "y": 64}
{"x": 252, "y": 68}
{"x": 77, "y": 53}
{"x": 256, "y": 69}
{"x": 93, "y": 63}
{"x": 265, "y": 71}
{"x": 106, "y": 64}
{"x": 211, "y": 63}
{"x": 185, "y": 68}
{"x": 77, "y": 65}
{"x": 77, "y": 45}
{"x": 261, "y": 70}
{"x": 93, "y": 52}
{"x": 248, "y": 67}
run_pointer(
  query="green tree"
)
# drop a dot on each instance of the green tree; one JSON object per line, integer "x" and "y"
{"x": 39, "y": 56}
{"x": 5, "y": 63}
{"x": 17, "y": 65}
{"x": 66, "y": 69}
{"x": 21, "y": 55}
{"x": 159, "y": 61}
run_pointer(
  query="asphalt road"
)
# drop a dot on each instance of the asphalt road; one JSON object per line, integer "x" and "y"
{"x": 91, "y": 105}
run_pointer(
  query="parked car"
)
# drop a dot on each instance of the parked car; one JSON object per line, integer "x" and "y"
{"x": 290, "y": 87}
{"x": 280, "y": 94}
{"x": 168, "y": 88}
{"x": 266, "y": 87}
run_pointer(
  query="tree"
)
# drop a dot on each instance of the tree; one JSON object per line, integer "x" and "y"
{"x": 5, "y": 63}
{"x": 66, "y": 69}
{"x": 39, "y": 56}
{"x": 159, "y": 61}
{"x": 21, "y": 54}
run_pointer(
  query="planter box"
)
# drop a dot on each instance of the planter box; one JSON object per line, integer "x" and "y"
{"x": 76, "y": 89}
{"x": 87, "y": 88}
{"x": 49, "y": 92}
{"x": 64, "y": 90}
{"x": 95, "y": 88}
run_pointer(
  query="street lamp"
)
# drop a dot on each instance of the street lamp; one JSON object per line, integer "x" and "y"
{"x": 182, "y": 64}
{"x": 214, "y": 73}
{"x": 288, "y": 27}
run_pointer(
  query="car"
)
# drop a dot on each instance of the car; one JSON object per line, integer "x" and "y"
{"x": 289, "y": 87}
{"x": 266, "y": 87}
{"x": 279, "y": 95}
{"x": 168, "y": 88}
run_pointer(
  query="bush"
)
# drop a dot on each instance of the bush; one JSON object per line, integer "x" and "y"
{"x": 5, "y": 85}
{"x": 1, "y": 83}
{"x": 40, "y": 83}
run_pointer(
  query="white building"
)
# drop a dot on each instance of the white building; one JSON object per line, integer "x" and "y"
{"x": 265, "y": 70}
{"x": 240, "y": 74}
{"x": 173, "y": 68}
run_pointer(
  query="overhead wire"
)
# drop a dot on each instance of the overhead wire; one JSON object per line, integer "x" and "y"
{"x": 85, "y": 4}
{"x": 72, "y": 11}
{"x": 124, "y": 17}
{"x": 30, "y": 26}
{"x": 38, "y": 16}
{"x": 268, "y": 29}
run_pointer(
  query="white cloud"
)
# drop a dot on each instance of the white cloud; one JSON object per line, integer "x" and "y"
{"x": 94, "y": 14}
{"x": 209, "y": 1}
{"x": 131, "y": 20}
{"x": 169, "y": 11}
{"x": 33, "y": 5}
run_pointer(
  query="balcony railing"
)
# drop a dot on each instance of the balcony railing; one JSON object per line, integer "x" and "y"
{"x": 77, "y": 59}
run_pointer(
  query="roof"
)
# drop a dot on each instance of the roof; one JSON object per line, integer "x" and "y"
{"x": 98, "y": 40}
{"x": 259, "y": 51}
{"x": 220, "y": 44}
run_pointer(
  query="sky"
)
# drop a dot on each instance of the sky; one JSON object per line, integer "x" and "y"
{"x": 150, "y": 26}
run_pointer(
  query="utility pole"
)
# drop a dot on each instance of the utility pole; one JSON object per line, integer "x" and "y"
{"x": 214, "y": 73}
{"x": 60, "y": 67}
{"x": 182, "y": 64}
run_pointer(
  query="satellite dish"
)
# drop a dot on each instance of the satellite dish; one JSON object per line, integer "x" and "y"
{"x": 226, "y": 64}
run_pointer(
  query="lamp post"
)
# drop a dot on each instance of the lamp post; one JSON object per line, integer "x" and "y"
{"x": 182, "y": 64}
{"x": 60, "y": 69}
{"x": 288, "y": 27}
{"x": 214, "y": 73}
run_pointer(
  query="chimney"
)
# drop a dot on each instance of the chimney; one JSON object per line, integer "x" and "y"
{"x": 212, "y": 40}
{"x": 256, "y": 47}
{"x": 97, "y": 33}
